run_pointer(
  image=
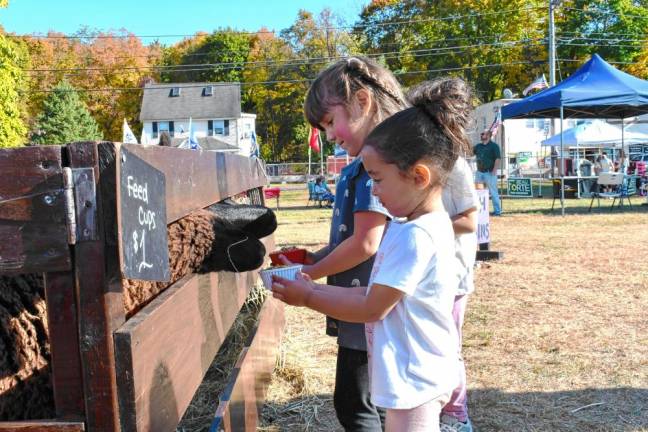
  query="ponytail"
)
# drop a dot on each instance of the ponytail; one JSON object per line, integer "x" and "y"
{"x": 433, "y": 130}
{"x": 448, "y": 102}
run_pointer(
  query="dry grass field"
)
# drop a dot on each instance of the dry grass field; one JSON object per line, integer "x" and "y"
{"x": 556, "y": 334}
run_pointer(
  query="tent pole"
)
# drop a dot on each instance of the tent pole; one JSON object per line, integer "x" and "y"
{"x": 561, "y": 169}
{"x": 622, "y": 142}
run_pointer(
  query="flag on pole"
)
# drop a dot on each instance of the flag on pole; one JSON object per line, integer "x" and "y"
{"x": 128, "y": 136}
{"x": 144, "y": 138}
{"x": 313, "y": 139}
{"x": 254, "y": 148}
{"x": 497, "y": 122}
{"x": 193, "y": 141}
{"x": 538, "y": 83}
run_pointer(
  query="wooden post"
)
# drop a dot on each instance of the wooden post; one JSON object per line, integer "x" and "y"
{"x": 99, "y": 290}
{"x": 62, "y": 318}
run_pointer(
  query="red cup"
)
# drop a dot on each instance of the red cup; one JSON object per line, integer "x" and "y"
{"x": 297, "y": 256}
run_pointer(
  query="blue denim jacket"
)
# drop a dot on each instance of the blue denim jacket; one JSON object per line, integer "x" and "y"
{"x": 353, "y": 194}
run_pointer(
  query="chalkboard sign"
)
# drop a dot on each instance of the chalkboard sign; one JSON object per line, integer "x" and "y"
{"x": 144, "y": 244}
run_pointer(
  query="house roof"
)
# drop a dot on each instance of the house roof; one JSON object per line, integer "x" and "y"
{"x": 158, "y": 104}
{"x": 207, "y": 143}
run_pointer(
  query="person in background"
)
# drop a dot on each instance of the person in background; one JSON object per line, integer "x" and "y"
{"x": 321, "y": 188}
{"x": 605, "y": 164}
{"x": 623, "y": 162}
{"x": 488, "y": 157}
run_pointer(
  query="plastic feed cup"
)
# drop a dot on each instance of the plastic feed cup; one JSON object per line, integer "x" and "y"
{"x": 295, "y": 255}
{"x": 288, "y": 272}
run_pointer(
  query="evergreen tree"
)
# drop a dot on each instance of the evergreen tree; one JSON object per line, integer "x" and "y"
{"x": 65, "y": 118}
{"x": 12, "y": 127}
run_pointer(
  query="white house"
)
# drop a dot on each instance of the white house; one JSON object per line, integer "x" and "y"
{"x": 214, "y": 110}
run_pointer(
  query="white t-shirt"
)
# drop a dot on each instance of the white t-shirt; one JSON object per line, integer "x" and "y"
{"x": 412, "y": 352}
{"x": 458, "y": 196}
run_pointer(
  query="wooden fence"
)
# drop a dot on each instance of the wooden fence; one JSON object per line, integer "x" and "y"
{"x": 64, "y": 212}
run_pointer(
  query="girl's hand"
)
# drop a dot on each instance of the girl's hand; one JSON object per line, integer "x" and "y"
{"x": 294, "y": 293}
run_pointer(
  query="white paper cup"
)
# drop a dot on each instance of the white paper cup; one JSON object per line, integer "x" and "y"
{"x": 287, "y": 272}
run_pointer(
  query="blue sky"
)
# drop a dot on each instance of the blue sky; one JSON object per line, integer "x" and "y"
{"x": 147, "y": 17}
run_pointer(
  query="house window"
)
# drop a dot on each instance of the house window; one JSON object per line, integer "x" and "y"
{"x": 175, "y": 92}
{"x": 162, "y": 126}
{"x": 208, "y": 91}
{"x": 218, "y": 127}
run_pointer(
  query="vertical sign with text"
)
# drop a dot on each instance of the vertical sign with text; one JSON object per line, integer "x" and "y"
{"x": 483, "y": 224}
{"x": 143, "y": 236}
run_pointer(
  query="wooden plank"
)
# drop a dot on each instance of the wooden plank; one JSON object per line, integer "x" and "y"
{"x": 240, "y": 405}
{"x": 164, "y": 350}
{"x": 62, "y": 321}
{"x": 32, "y": 211}
{"x": 41, "y": 426}
{"x": 196, "y": 179}
{"x": 99, "y": 291}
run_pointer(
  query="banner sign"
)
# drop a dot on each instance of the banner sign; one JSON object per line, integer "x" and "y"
{"x": 519, "y": 187}
{"x": 483, "y": 224}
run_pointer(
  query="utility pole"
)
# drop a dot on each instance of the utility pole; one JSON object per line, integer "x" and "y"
{"x": 552, "y": 74}
{"x": 552, "y": 43}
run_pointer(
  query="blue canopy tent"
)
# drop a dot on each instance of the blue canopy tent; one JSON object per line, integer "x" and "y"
{"x": 595, "y": 90}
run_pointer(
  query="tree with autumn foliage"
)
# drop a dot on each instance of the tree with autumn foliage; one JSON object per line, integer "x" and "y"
{"x": 615, "y": 29}
{"x": 492, "y": 44}
{"x": 278, "y": 75}
{"x": 108, "y": 70}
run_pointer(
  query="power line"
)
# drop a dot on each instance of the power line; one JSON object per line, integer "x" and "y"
{"x": 299, "y": 62}
{"x": 287, "y": 81}
{"x": 600, "y": 12}
{"x": 388, "y": 57}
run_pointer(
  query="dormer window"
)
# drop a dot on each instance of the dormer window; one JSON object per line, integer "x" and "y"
{"x": 175, "y": 92}
{"x": 208, "y": 91}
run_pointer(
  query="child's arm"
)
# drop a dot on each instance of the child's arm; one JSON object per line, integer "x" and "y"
{"x": 465, "y": 222}
{"x": 363, "y": 244}
{"x": 337, "y": 302}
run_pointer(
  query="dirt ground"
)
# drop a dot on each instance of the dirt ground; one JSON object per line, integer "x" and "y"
{"x": 556, "y": 334}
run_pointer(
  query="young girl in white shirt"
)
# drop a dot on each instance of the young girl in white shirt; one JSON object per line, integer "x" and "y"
{"x": 407, "y": 308}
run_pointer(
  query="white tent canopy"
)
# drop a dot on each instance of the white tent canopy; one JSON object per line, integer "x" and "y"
{"x": 597, "y": 133}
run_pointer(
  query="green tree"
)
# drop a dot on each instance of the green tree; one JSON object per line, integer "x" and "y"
{"x": 65, "y": 118}
{"x": 218, "y": 57}
{"x": 12, "y": 80}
